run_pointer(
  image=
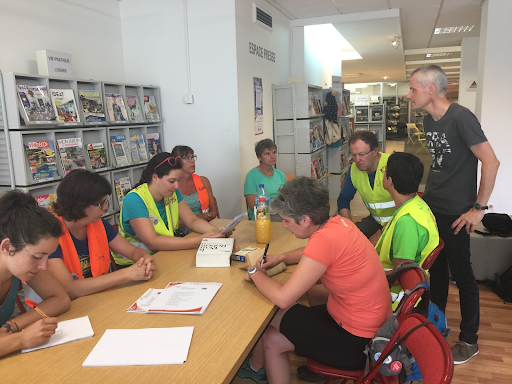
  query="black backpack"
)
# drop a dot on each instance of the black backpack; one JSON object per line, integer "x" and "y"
{"x": 502, "y": 286}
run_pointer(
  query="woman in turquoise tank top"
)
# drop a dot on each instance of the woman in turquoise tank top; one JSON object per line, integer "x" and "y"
{"x": 28, "y": 234}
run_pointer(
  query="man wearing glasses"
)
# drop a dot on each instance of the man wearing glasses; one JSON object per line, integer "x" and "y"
{"x": 363, "y": 177}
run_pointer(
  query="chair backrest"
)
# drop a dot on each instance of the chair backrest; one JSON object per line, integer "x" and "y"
{"x": 289, "y": 176}
{"x": 427, "y": 263}
{"x": 429, "y": 349}
{"x": 410, "y": 278}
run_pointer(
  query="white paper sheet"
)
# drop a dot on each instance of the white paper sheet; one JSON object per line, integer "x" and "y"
{"x": 149, "y": 346}
{"x": 67, "y": 331}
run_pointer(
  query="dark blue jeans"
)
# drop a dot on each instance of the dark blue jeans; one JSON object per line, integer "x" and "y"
{"x": 456, "y": 256}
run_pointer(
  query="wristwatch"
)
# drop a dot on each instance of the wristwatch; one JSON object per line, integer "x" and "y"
{"x": 251, "y": 271}
{"x": 480, "y": 207}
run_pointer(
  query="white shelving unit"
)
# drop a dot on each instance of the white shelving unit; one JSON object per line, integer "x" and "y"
{"x": 372, "y": 118}
{"x": 16, "y": 131}
{"x": 295, "y": 114}
{"x": 338, "y": 158}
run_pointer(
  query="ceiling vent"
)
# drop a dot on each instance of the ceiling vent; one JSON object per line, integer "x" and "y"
{"x": 261, "y": 17}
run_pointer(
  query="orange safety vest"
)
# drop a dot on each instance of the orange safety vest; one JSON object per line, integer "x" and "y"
{"x": 99, "y": 251}
{"x": 202, "y": 193}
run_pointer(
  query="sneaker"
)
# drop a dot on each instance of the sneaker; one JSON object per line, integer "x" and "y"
{"x": 308, "y": 375}
{"x": 463, "y": 351}
{"x": 246, "y": 372}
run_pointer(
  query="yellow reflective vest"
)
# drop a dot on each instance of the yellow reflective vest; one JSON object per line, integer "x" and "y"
{"x": 171, "y": 210}
{"x": 419, "y": 211}
{"x": 377, "y": 199}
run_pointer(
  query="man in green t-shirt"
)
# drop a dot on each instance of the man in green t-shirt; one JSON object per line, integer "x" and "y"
{"x": 411, "y": 234}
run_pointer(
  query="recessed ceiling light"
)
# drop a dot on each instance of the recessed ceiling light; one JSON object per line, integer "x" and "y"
{"x": 442, "y": 54}
{"x": 385, "y": 77}
{"x": 461, "y": 29}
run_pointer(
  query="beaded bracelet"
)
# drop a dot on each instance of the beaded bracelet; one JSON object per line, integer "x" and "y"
{"x": 11, "y": 326}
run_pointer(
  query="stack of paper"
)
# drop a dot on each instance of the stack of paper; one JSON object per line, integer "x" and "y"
{"x": 150, "y": 346}
{"x": 177, "y": 297}
{"x": 67, "y": 331}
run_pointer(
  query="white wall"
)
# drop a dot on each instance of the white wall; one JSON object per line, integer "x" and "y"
{"x": 468, "y": 72}
{"x": 249, "y": 66}
{"x": 493, "y": 94}
{"x": 155, "y": 53}
{"x": 89, "y": 31}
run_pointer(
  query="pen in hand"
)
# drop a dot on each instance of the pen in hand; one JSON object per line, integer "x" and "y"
{"x": 40, "y": 312}
{"x": 265, "y": 253}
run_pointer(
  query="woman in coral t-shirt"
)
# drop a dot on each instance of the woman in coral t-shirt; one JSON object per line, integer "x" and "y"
{"x": 345, "y": 261}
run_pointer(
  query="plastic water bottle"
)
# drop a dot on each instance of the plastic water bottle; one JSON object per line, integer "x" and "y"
{"x": 262, "y": 225}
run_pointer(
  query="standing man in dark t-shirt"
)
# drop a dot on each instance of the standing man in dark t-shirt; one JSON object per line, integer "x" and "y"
{"x": 456, "y": 142}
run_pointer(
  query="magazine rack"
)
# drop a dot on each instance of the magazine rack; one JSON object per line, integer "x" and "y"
{"x": 18, "y": 131}
{"x": 297, "y": 119}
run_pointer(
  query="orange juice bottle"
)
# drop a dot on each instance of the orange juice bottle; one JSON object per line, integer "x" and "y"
{"x": 262, "y": 225}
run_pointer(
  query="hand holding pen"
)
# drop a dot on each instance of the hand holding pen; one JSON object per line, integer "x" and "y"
{"x": 265, "y": 253}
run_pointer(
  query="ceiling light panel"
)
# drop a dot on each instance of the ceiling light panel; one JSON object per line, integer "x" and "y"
{"x": 442, "y": 54}
{"x": 460, "y": 29}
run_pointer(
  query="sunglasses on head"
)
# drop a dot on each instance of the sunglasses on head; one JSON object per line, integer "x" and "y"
{"x": 172, "y": 160}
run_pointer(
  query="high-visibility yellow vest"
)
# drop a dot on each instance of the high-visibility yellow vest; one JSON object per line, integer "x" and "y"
{"x": 377, "y": 199}
{"x": 171, "y": 210}
{"x": 421, "y": 213}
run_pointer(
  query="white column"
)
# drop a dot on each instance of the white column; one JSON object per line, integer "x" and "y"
{"x": 468, "y": 72}
{"x": 493, "y": 94}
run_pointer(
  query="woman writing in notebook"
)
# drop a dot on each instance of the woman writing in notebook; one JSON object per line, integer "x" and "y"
{"x": 196, "y": 190}
{"x": 150, "y": 212}
{"x": 81, "y": 262}
{"x": 28, "y": 234}
{"x": 345, "y": 261}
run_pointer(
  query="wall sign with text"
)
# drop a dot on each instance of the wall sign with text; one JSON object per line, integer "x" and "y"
{"x": 262, "y": 52}
{"x": 54, "y": 64}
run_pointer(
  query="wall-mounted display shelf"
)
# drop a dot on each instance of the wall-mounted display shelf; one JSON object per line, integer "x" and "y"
{"x": 52, "y": 126}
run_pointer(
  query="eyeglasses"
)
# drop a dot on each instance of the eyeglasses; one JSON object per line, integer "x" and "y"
{"x": 189, "y": 158}
{"x": 360, "y": 154}
{"x": 102, "y": 203}
{"x": 171, "y": 160}
{"x": 383, "y": 169}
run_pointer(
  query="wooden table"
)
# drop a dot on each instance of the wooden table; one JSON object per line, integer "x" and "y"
{"x": 222, "y": 337}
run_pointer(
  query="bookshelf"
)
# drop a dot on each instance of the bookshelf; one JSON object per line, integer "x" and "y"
{"x": 17, "y": 131}
{"x": 372, "y": 118}
{"x": 299, "y": 130}
{"x": 338, "y": 158}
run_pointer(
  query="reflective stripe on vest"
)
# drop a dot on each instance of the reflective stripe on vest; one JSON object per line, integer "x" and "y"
{"x": 171, "y": 210}
{"x": 202, "y": 193}
{"x": 419, "y": 211}
{"x": 377, "y": 200}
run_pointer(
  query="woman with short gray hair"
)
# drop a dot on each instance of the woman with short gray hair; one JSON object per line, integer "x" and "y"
{"x": 345, "y": 261}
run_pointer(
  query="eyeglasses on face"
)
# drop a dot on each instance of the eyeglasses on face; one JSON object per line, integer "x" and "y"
{"x": 102, "y": 203}
{"x": 360, "y": 154}
{"x": 171, "y": 160}
{"x": 189, "y": 158}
